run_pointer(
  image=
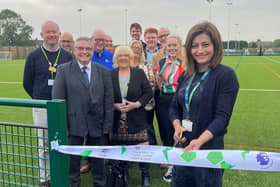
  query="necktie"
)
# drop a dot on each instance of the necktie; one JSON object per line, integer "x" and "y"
{"x": 85, "y": 75}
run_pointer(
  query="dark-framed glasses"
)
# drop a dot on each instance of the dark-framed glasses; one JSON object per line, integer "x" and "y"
{"x": 66, "y": 41}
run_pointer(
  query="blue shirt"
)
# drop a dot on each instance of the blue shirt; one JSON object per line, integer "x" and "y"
{"x": 105, "y": 58}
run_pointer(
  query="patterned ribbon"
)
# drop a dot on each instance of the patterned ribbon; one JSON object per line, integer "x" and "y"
{"x": 224, "y": 159}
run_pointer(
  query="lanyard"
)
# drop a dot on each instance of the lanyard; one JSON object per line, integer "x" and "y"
{"x": 188, "y": 97}
{"x": 52, "y": 68}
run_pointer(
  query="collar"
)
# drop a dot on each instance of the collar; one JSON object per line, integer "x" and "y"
{"x": 50, "y": 50}
{"x": 169, "y": 60}
{"x": 148, "y": 51}
{"x": 99, "y": 54}
{"x": 88, "y": 66}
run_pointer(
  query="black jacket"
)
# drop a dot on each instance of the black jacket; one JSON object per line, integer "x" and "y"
{"x": 139, "y": 89}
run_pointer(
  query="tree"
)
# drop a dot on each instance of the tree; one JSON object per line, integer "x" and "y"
{"x": 13, "y": 29}
{"x": 276, "y": 43}
{"x": 252, "y": 44}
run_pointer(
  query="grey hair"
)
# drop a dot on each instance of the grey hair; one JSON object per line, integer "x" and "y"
{"x": 83, "y": 38}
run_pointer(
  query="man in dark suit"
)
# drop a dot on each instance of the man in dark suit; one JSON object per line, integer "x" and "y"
{"x": 87, "y": 88}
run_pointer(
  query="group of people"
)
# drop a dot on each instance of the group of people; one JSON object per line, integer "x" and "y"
{"x": 113, "y": 94}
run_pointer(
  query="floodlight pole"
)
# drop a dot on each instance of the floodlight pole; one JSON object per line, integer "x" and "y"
{"x": 237, "y": 31}
{"x": 210, "y": 9}
{"x": 125, "y": 25}
{"x": 80, "y": 11}
{"x": 229, "y": 3}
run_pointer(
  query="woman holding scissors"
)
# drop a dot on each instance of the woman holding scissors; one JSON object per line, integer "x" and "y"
{"x": 203, "y": 104}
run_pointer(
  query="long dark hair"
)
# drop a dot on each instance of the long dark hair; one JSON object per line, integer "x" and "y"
{"x": 210, "y": 30}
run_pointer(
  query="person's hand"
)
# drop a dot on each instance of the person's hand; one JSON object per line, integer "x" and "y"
{"x": 178, "y": 130}
{"x": 130, "y": 106}
{"x": 119, "y": 106}
{"x": 193, "y": 145}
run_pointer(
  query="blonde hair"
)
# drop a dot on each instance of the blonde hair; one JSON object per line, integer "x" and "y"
{"x": 178, "y": 38}
{"x": 142, "y": 58}
{"x": 123, "y": 50}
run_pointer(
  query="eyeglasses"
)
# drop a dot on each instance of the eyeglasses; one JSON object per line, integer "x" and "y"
{"x": 99, "y": 40}
{"x": 84, "y": 48}
{"x": 66, "y": 41}
{"x": 163, "y": 36}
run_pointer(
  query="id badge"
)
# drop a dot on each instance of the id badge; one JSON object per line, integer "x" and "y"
{"x": 50, "y": 82}
{"x": 187, "y": 124}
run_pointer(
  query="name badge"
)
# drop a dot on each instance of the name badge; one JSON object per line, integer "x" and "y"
{"x": 50, "y": 82}
{"x": 187, "y": 124}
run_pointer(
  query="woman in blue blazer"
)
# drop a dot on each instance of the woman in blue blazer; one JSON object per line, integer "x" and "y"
{"x": 203, "y": 103}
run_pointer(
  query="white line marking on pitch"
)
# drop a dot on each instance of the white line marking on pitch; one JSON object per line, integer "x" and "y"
{"x": 272, "y": 60}
{"x": 259, "y": 90}
{"x": 10, "y": 82}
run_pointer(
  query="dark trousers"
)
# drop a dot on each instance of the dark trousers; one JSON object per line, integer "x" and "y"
{"x": 164, "y": 124}
{"x": 196, "y": 177}
{"x": 151, "y": 130}
{"x": 98, "y": 172}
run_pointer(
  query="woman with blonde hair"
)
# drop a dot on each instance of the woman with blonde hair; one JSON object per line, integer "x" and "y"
{"x": 132, "y": 91}
{"x": 140, "y": 62}
{"x": 168, "y": 70}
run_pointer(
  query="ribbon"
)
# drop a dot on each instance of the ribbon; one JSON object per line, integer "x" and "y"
{"x": 223, "y": 159}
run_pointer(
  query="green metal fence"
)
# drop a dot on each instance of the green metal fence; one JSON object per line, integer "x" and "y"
{"x": 19, "y": 160}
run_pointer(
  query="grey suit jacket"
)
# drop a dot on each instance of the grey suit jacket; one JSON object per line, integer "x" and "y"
{"x": 89, "y": 110}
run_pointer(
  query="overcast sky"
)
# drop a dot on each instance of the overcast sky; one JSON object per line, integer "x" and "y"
{"x": 249, "y": 19}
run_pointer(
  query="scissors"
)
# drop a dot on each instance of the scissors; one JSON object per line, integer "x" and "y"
{"x": 178, "y": 140}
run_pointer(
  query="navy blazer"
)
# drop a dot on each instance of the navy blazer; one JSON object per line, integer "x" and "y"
{"x": 89, "y": 110}
{"x": 139, "y": 89}
{"x": 211, "y": 106}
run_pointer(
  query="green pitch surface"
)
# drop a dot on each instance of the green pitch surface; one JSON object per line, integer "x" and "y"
{"x": 254, "y": 124}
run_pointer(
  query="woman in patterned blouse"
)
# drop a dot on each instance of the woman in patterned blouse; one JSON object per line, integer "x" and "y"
{"x": 168, "y": 71}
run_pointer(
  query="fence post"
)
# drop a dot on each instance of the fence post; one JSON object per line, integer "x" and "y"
{"x": 58, "y": 129}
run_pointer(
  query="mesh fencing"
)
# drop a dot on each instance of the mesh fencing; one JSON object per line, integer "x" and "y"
{"x": 19, "y": 154}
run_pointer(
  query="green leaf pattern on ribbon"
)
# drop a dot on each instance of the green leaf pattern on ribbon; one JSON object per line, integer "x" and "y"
{"x": 188, "y": 156}
{"x": 243, "y": 154}
{"x": 86, "y": 153}
{"x": 165, "y": 152}
{"x": 215, "y": 157}
{"x": 226, "y": 165}
{"x": 123, "y": 150}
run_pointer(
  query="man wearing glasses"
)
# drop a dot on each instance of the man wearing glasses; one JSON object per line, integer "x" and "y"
{"x": 101, "y": 55}
{"x": 88, "y": 91}
{"x": 162, "y": 35}
{"x": 66, "y": 42}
